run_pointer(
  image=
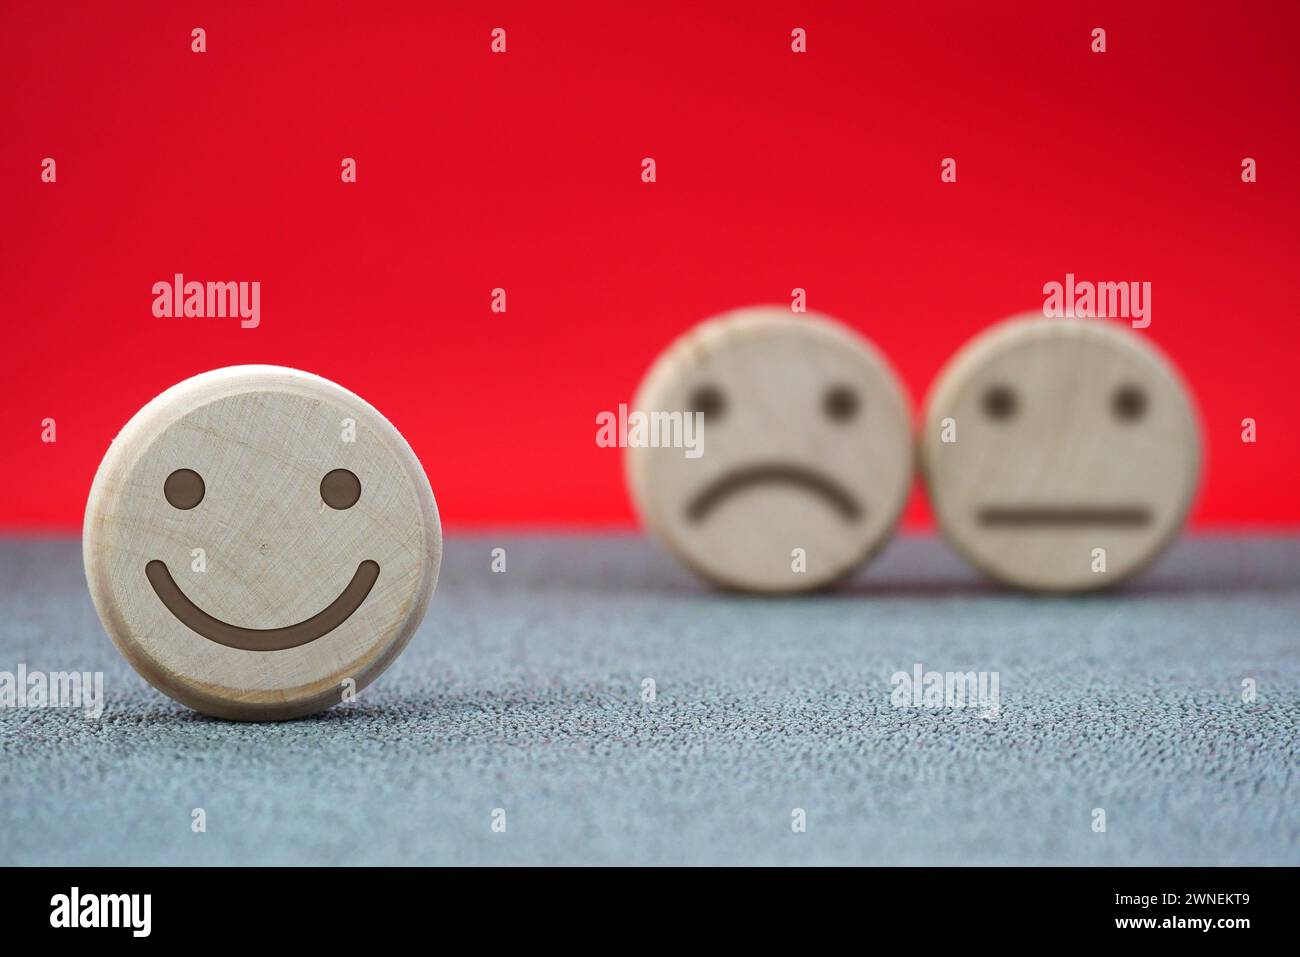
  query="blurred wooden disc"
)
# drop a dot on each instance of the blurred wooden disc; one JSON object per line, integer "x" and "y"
{"x": 1060, "y": 454}
{"x": 806, "y": 460}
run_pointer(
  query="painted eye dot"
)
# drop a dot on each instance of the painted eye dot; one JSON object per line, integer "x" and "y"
{"x": 340, "y": 489}
{"x": 1129, "y": 403}
{"x": 1000, "y": 403}
{"x": 183, "y": 489}
{"x": 709, "y": 400}
{"x": 840, "y": 403}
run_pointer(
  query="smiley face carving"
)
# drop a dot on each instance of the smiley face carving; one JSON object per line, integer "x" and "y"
{"x": 806, "y": 458}
{"x": 184, "y": 489}
{"x": 258, "y": 540}
{"x": 1060, "y": 454}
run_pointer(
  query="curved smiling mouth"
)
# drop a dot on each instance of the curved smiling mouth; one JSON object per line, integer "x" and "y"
{"x": 261, "y": 639}
{"x": 723, "y": 487}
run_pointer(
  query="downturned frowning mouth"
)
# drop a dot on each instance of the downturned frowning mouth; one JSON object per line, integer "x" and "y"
{"x": 261, "y": 639}
{"x": 1000, "y": 516}
{"x": 730, "y": 483}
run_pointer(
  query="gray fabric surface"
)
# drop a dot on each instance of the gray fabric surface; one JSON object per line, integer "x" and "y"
{"x": 523, "y": 691}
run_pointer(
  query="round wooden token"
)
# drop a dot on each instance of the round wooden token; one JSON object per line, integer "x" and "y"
{"x": 805, "y": 458}
{"x": 1060, "y": 454}
{"x": 260, "y": 543}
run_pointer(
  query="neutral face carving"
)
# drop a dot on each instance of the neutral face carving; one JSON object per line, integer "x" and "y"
{"x": 257, "y": 538}
{"x": 1064, "y": 437}
{"x": 806, "y": 451}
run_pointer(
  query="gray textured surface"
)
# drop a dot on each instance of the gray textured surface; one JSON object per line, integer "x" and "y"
{"x": 522, "y": 691}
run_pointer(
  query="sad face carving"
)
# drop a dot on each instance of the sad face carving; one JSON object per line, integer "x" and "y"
{"x": 806, "y": 457}
{"x": 260, "y": 541}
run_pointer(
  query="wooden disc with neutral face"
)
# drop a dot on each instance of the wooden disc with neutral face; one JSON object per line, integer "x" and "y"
{"x": 260, "y": 542}
{"x": 1060, "y": 454}
{"x": 806, "y": 459}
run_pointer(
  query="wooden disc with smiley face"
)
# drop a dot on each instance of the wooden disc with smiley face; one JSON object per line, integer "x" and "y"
{"x": 260, "y": 543}
{"x": 805, "y": 461}
{"x": 1060, "y": 454}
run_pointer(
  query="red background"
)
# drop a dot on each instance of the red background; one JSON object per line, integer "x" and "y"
{"x": 522, "y": 170}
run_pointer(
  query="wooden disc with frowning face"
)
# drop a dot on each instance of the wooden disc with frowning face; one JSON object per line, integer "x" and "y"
{"x": 260, "y": 543}
{"x": 806, "y": 454}
{"x": 1060, "y": 454}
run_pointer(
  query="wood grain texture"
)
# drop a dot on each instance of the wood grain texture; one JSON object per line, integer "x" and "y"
{"x": 808, "y": 447}
{"x": 274, "y": 554}
{"x": 1071, "y": 435}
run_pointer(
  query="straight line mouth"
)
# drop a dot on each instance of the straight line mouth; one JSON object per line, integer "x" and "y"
{"x": 997, "y": 516}
{"x": 731, "y": 483}
{"x": 261, "y": 639}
